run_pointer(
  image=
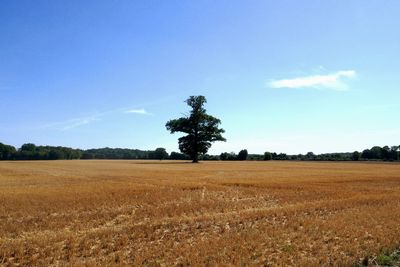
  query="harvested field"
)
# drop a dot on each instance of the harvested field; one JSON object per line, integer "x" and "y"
{"x": 213, "y": 213}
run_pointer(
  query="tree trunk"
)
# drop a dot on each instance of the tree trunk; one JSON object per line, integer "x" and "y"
{"x": 196, "y": 153}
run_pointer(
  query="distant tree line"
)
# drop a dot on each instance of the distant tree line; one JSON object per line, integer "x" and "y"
{"x": 33, "y": 152}
{"x": 385, "y": 153}
{"x": 124, "y": 153}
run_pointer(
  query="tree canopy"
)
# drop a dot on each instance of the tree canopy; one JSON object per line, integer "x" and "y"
{"x": 267, "y": 156}
{"x": 160, "y": 153}
{"x": 242, "y": 154}
{"x": 33, "y": 152}
{"x": 201, "y": 128}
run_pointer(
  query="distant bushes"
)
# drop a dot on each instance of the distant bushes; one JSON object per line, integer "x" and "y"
{"x": 267, "y": 156}
{"x": 32, "y": 152}
{"x": 243, "y": 154}
{"x": 381, "y": 153}
{"x": 375, "y": 153}
{"x": 7, "y": 152}
{"x": 122, "y": 153}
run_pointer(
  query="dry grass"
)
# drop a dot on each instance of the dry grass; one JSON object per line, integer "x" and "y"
{"x": 213, "y": 213}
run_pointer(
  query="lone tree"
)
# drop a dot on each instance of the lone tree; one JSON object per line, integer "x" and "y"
{"x": 356, "y": 155}
{"x": 242, "y": 154}
{"x": 201, "y": 129}
{"x": 160, "y": 153}
{"x": 267, "y": 156}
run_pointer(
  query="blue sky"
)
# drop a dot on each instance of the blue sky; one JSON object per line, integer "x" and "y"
{"x": 284, "y": 76}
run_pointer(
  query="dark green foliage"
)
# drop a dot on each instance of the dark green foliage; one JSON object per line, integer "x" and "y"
{"x": 333, "y": 157}
{"x": 86, "y": 155}
{"x": 118, "y": 153}
{"x": 384, "y": 260}
{"x": 310, "y": 156}
{"x": 28, "y": 147}
{"x": 223, "y": 156}
{"x": 178, "y": 156}
{"x": 299, "y": 157}
{"x": 381, "y": 153}
{"x": 356, "y": 155}
{"x": 228, "y": 156}
{"x": 242, "y": 154}
{"x": 255, "y": 157}
{"x": 160, "y": 153}
{"x": 33, "y": 152}
{"x": 281, "y": 156}
{"x": 7, "y": 152}
{"x": 201, "y": 129}
{"x": 394, "y": 153}
{"x": 209, "y": 157}
{"x": 29, "y": 151}
{"x": 366, "y": 154}
{"x": 267, "y": 156}
{"x": 375, "y": 153}
{"x": 55, "y": 154}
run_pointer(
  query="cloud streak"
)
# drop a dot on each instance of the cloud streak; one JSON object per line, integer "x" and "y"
{"x": 332, "y": 81}
{"x": 98, "y": 116}
{"x": 77, "y": 122}
{"x": 73, "y": 123}
{"x": 140, "y": 111}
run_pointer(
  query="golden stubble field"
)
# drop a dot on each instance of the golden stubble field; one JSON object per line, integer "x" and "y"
{"x": 167, "y": 213}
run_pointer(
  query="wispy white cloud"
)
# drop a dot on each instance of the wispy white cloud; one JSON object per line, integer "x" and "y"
{"x": 85, "y": 120}
{"x": 77, "y": 122}
{"x": 73, "y": 123}
{"x": 332, "y": 81}
{"x": 141, "y": 111}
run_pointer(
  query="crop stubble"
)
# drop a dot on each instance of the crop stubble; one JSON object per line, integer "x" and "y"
{"x": 212, "y": 213}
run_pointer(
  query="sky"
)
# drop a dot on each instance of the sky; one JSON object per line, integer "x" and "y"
{"x": 283, "y": 76}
